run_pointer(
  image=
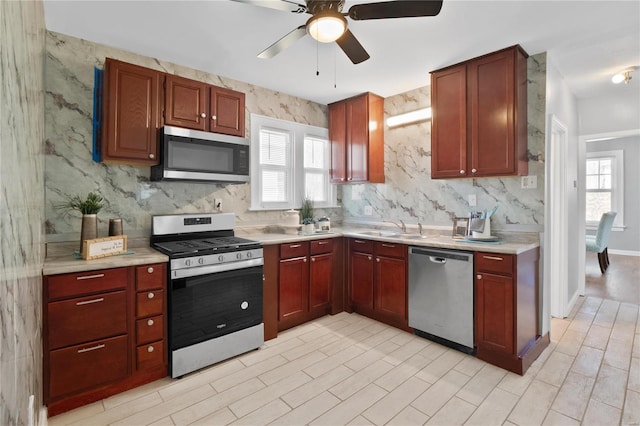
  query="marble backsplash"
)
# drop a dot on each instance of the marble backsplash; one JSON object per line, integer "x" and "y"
{"x": 128, "y": 192}
{"x": 411, "y": 195}
{"x": 22, "y": 47}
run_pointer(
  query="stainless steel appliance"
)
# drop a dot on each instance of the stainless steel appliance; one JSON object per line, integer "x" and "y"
{"x": 187, "y": 154}
{"x": 215, "y": 289}
{"x": 441, "y": 296}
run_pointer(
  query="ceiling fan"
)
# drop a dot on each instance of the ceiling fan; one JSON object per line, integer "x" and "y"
{"x": 328, "y": 22}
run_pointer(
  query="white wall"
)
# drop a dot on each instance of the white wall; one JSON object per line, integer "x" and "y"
{"x": 617, "y": 112}
{"x": 562, "y": 104}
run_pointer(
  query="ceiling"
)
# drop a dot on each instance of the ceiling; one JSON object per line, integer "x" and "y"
{"x": 588, "y": 41}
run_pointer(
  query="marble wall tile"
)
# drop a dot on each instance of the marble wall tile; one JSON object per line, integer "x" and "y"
{"x": 22, "y": 44}
{"x": 410, "y": 194}
{"x": 129, "y": 193}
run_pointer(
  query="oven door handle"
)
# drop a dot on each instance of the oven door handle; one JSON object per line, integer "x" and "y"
{"x": 212, "y": 269}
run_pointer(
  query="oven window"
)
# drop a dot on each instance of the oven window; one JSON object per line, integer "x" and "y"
{"x": 209, "y": 306}
{"x": 210, "y": 157}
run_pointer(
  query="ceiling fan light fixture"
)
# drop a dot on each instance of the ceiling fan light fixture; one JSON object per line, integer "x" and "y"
{"x": 620, "y": 77}
{"x": 326, "y": 26}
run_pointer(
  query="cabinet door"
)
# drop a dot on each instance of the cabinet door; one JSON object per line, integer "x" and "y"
{"x": 449, "y": 123}
{"x": 494, "y": 312}
{"x": 361, "y": 280}
{"x": 186, "y": 103}
{"x": 391, "y": 287}
{"x": 337, "y": 139}
{"x": 293, "y": 291}
{"x": 320, "y": 273}
{"x": 357, "y": 139}
{"x": 226, "y": 109}
{"x": 132, "y": 107}
{"x": 491, "y": 92}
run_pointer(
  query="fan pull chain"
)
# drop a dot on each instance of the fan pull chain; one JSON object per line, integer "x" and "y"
{"x": 335, "y": 66}
{"x": 317, "y": 60}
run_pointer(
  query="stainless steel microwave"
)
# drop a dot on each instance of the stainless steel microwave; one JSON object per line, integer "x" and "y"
{"x": 187, "y": 154}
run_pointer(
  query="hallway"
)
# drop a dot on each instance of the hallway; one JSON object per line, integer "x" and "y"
{"x": 621, "y": 282}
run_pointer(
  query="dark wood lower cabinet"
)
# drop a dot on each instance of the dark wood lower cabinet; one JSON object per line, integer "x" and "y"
{"x": 378, "y": 281}
{"x": 294, "y": 288}
{"x": 507, "y": 329}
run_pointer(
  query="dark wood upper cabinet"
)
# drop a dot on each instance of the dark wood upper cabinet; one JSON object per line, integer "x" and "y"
{"x": 200, "y": 106}
{"x": 356, "y": 133}
{"x": 479, "y": 125}
{"x": 132, "y": 113}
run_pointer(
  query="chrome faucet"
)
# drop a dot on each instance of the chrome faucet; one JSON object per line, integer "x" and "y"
{"x": 420, "y": 228}
{"x": 402, "y": 227}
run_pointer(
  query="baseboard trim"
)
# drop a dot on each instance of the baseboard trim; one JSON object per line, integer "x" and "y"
{"x": 624, "y": 252}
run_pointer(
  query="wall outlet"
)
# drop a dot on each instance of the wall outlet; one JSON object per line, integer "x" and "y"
{"x": 368, "y": 210}
{"x": 529, "y": 182}
{"x": 217, "y": 204}
{"x": 472, "y": 200}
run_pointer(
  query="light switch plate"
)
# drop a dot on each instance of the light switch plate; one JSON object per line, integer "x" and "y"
{"x": 472, "y": 200}
{"x": 529, "y": 182}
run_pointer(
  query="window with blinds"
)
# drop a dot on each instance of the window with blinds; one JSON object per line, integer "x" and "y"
{"x": 289, "y": 161}
{"x": 604, "y": 186}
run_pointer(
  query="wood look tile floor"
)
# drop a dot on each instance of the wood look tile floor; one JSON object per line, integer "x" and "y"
{"x": 620, "y": 282}
{"x": 349, "y": 369}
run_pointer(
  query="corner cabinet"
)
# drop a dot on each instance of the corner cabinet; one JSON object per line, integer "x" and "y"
{"x": 200, "y": 106}
{"x": 104, "y": 332}
{"x": 378, "y": 281}
{"x": 132, "y": 113}
{"x": 479, "y": 124}
{"x": 356, "y": 134}
{"x": 506, "y": 309}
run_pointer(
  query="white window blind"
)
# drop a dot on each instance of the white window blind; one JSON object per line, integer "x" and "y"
{"x": 288, "y": 161}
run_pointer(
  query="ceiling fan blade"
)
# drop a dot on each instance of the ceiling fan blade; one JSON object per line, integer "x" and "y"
{"x": 284, "y": 5}
{"x": 395, "y": 9}
{"x": 352, "y": 47}
{"x": 283, "y": 43}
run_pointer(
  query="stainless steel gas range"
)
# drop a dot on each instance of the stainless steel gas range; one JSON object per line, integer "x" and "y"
{"x": 215, "y": 289}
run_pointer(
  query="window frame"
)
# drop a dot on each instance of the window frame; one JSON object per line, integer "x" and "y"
{"x": 617, "y": 184}
{"x": 296, "y": 186}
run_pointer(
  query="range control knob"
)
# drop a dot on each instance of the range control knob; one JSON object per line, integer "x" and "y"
{"x": 187, "y": 262}
{"x": 239, "y": 256}
{"x": 221, "y": 258}
{"x": 201, "y": 261}
{"x": 249, "y": 254}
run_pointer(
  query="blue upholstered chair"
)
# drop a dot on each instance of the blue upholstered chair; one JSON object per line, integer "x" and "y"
{"x": 598, "y": 243}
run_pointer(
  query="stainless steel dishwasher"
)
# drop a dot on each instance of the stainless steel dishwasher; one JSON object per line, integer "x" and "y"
{"x": 441, "y": 296}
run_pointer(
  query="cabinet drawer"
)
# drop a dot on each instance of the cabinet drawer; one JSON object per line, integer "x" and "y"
{"x": 149, "y": 303}
{"x": 150, "y": 355}
{"x": 321, "y": 246}
{"x": 390, "y": 249}
{"x": 357, "y": 244}
{"x": 149, "y": 277}
{"x": 294, "y": 249}
{"x": 149, "y": 329}
{"x": 492, "y": 262}
{"x": 87, "y": 366}
{"x": 88, "y": 318}
{"x": 73, "y": 285}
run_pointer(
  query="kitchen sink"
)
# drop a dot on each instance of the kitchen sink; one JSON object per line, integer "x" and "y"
{"x": 413, "y": 236}
{"x": 381, "y": 233}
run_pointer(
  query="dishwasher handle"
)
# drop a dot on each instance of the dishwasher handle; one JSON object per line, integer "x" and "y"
{"x": 441, "y": 254}
{"x": 440, "y": 260}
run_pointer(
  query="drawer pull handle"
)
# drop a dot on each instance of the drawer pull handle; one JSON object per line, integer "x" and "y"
{"x": 150, "y": 349}
{"x": 150, "y": 322}
{"x": 93, "y": 348}
{"x": 150, "y": 295}
{"x": 89, "y": 277}
{"x": 88, "y": 302}
{"x": 492, "y": 258}
{"x": 358, "y": 241}
{"x": 389, "y": 245}
{"x": 321, "y": 243}
{"x": 150, "y": 270}
{"x": 294, "y": 245}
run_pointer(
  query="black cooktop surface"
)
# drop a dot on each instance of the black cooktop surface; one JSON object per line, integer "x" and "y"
{"x": 206, "y": 245}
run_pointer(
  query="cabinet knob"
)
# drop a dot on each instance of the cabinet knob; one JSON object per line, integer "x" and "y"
{"x": 150, "y": 349}
{"x": 203, "y": 115}
{"x": 479, "y": 276}
{"x": 150, "y": 270}
{"x": 213, "y": 117}
{"x": 304, "y": 260}
{"x": 369, "y": 257}
{"x": 349, "y": 178}
{"x": 150, "y": 295}
{"x": 377, "y": 259}
{"x": 341, "y": 179}
{"x": 461, "y": 172}
{"x": 473, "y": 170}
{"x": 150, "y": 322}
{"x": 313, "y": 259}
{"x": 152, "y": 156}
